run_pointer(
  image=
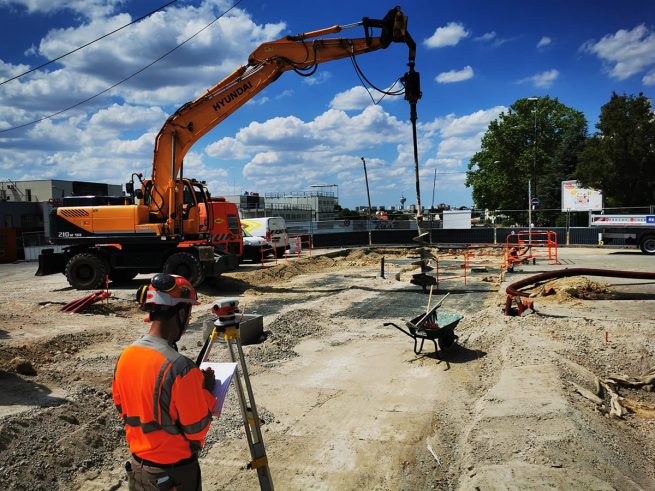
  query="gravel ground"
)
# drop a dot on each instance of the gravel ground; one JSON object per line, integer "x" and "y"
{"x": 347, "y": 404}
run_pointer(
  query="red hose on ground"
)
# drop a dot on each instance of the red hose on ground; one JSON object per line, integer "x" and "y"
{"x": 513, "y": 290}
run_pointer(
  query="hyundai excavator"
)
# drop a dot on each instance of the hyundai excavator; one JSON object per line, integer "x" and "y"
{"x": 166, "y": 223}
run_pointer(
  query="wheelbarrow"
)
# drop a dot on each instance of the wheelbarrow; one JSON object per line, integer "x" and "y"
{"x": 432, "y": 326}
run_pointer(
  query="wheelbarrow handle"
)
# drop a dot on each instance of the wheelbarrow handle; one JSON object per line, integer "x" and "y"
{"x": 400, "y": 329}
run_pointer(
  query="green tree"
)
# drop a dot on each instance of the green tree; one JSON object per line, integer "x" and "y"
{"x": 620, "y": 158}
{"x": 534, "y": 140}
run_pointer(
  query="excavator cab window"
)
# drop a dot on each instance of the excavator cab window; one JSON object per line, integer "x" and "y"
{"x": 147, "y": 194}
{"x": 201, "y": 195}
{"x": 188, "y": 200}
{"x": 188, "y": 196}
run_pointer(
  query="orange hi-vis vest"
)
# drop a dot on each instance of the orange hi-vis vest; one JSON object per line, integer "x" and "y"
{"x": 160, "y": 397}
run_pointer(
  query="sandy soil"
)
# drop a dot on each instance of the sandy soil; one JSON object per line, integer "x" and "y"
{"x": 347, "y": 403}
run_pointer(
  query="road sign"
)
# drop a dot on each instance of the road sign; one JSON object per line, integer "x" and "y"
{"x": 535, "y": 201}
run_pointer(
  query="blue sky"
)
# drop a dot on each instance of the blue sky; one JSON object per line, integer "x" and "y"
{"x": 476, "y": 58}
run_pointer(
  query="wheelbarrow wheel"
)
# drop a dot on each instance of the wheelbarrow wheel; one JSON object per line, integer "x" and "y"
{"x": 447, "y": 342}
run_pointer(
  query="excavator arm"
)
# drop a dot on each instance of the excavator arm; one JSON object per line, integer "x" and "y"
{"x": 301, "y": 53}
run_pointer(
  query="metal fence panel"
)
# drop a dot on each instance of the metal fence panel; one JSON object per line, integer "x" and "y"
{"x": 34, "y": 243}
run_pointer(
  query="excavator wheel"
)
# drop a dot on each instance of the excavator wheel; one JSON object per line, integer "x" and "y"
{"x": 122, "y": 275}
{"x": 187, "y": 265}
{"x": 86, "y": 271}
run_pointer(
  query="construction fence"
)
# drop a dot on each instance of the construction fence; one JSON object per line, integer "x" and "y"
{"x": 304, "y": 236}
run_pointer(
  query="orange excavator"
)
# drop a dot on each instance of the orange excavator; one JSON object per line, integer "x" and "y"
{"x": 166, "y": 224}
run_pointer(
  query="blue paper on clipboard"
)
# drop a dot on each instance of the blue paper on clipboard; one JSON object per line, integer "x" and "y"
{"x": 223, "y": 373}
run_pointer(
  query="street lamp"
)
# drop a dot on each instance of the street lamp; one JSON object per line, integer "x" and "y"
{"x": 534, "y": 167}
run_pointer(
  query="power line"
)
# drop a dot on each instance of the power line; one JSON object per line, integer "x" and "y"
{"x": 123, "y": 80}
{"x": 87, "y": 44}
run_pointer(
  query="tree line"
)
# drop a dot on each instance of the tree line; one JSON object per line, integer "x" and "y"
{"x": 541, "y": 142}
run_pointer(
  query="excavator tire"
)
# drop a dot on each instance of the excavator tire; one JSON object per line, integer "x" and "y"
{"x": 86, "y": 271}
{"x": 122, "y": 275}
{"x": 187, "y": 265}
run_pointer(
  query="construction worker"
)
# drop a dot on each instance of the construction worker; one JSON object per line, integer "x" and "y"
{"x": 164, "y": 400}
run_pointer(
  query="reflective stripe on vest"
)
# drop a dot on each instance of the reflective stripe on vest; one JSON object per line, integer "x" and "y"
{"x": 175, "y": 366}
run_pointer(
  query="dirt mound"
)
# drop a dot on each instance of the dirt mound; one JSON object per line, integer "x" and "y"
{"x": 284, "y": 333}
{"x": 572, "y": 289}
{"x": 46, "y": 351}
{"x": 46, "y": 449}
{"x": 286, "y": 270}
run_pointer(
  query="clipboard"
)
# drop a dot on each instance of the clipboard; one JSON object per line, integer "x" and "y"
{"x": 223, "y": 373}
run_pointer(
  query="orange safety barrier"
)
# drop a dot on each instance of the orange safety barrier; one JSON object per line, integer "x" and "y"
{"x": 525, "y": 245}
{"x": 301, "y": 242}
{"x": 262, "y": 254}
{"x": 305, "y": 240}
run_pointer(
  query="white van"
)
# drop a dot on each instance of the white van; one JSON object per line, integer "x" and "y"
{"x": 273, "y": 229}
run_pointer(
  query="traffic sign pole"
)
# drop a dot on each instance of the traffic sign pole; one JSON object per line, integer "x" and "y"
{"x": 530, "y": 212}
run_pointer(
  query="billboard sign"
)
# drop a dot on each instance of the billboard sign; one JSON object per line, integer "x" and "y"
{"x": 575, "y": 198}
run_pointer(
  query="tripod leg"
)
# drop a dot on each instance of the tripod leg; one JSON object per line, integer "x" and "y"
{"x": 251, "y": 419}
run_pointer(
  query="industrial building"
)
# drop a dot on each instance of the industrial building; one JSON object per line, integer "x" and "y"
{"x": 311, "y": 206}
{"x": 25, "y": 205}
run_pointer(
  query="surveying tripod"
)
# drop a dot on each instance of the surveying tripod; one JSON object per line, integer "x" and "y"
{"x": 226, "y": 311}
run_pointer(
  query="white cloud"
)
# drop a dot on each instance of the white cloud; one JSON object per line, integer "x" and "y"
{"x": 175, "y": 79}
{"x": 87, "y": 8}
{"x": 468, "y": 124}
{"x": 123, "y": 117}
{"x": 449, "y": 35}
{"x": 333, "y": 132}
{"x": 542, "y": 80}
{"x": 351, "y": 99}
{"x": 487, "y": 36}
{"x": 288, "y": 153}
{"x": 141, "y": 146}
{"x": 471, "y": 123}
{"x": 649, "y": 78}
{"x": 543, "y": 42}
{"x": 113, "y": 135}
{"x": 452, "y": 76}
{"x": 459, "y": 148}
{"x": 625, "y": 53}
{"x": 7, "y": 70}
{"x": 318, "y": 79}
{"x": 493, "y": 39}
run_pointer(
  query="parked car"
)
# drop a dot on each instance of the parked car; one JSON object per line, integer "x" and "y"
{"x": 254, "y": 248}
{"x": 273, "y": 229}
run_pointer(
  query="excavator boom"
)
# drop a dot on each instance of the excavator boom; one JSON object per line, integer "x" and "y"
{"x": 300, "y": 53}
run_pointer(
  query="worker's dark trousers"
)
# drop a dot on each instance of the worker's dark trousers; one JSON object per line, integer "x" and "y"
{"x": 143, "y": 477}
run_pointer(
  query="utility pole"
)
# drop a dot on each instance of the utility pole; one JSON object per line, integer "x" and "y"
{"x": 368, "y": 195}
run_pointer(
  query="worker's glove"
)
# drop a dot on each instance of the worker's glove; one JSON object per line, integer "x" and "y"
{"x": 209, "y": 380}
